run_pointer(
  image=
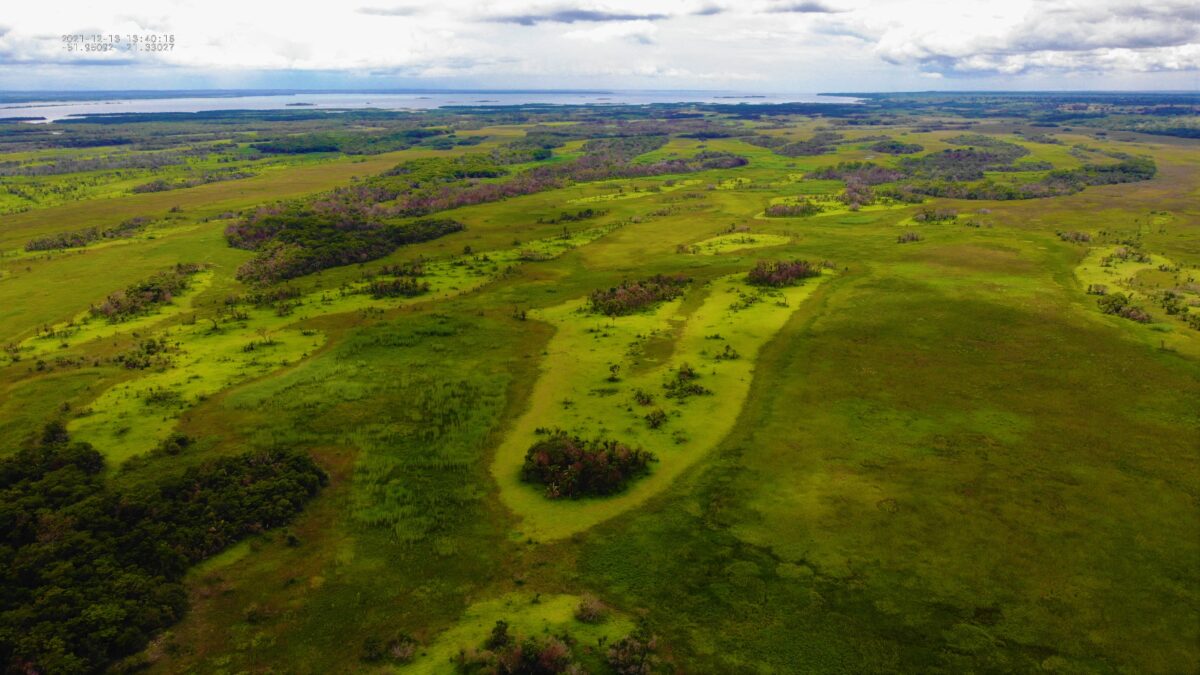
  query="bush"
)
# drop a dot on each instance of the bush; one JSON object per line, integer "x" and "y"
{"x": 505, "y": 654}
{"x": 633, "y": 296}
{"x": 1119, "y": 304}
{"x": 908, "y": 237}
{"x": 591, "y": 610}
{"x": 1075, "y": 237}
{"x": 634, "y": 654}
{"x": 569, "y": 466}
{"x": 781, "y": 273}
{"x": 682, "y": 384}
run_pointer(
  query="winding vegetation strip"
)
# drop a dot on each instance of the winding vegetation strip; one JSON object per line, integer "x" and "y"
{"x": 574, "y": 393}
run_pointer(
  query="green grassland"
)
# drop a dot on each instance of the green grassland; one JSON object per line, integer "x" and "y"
{"x": 940, "y": 456}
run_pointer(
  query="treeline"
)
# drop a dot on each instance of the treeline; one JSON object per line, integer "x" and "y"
{"x": 89, "y": 235}
{"x": 820, "y": 143}
{"x": 89, "y": 572}
{"x": 369, "y": 143}
{"x": 141, "y": 297}
{"x": 163, "y": 185}
{"x": 894, "y": 147}
{"x": 949, "y": 174}
{"x": 297, "y": 239}
{"x": 1054, "y": 184}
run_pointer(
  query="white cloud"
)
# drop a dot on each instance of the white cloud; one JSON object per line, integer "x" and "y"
{"x": 784, "y": 45}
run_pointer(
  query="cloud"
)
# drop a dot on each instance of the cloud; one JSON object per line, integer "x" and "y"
{"x": 573, "y": 16}
{"x": 634, "y": 32}
{"x": 1058, "y": 35}
{"x": 709, "y": 10}
{"x": 389, "y": 11}
{"x": 806, "y": 7}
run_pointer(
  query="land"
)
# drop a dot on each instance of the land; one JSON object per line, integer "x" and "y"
{"x": 915, "y": 381}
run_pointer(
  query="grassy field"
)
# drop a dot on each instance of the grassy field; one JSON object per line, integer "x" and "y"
{"x": 937, "y": 456}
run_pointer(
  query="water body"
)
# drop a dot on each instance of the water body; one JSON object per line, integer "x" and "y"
{"x": 50, "y": 109}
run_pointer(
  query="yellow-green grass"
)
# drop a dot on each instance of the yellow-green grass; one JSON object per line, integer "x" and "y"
{"x": 1139, "y": 280}
{"x": 216, "y": 354}
{"x": 87, "y": 327}
{"x": 126, "y": 421}
{"x": 634, "y": 193}
{"x": 740, "y": 241}
{"x": 527, "y": 615}
{"x": 573, "y": 392}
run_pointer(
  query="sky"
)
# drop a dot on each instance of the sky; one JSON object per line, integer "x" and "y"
{"x": 777, "y": 46}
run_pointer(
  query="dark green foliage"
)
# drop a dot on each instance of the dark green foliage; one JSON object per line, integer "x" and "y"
{"x": 797, "y": 210}
{"x": 161, "y": 185}
{"x": 1075, "y": 237}
{"x": 779, "y": 273}
{"x": 822, "y": 142}
{"x": 504, "y": 654}
{"x": 928, "y": 215}
{"x": 401, "y": 287}
{"x": 88, "y": 574}
{"x": 1120, "y": 305}
{"x": 298, "y": 240}
{"x": 145, "y": 295}
{"x": 569, "y": 466}
{"x": 633, "y": 296}
{"x": 80, "y": 238}
{"x": 681, "y": 384}
{"x": 634, "y": 654}
{"x": 349, "y": 143}
{"x": 894, "y": 147}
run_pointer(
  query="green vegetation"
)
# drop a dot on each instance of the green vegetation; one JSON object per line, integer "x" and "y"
{"x": 900, "y": 386}
{"x": 572, "y": 467}
{"x": 91, "y": 573}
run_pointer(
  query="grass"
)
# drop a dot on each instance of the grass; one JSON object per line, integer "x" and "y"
{"x": 939, "y": 457}
{"x": 575, "y": 391}
{"x": 527, "y": 615}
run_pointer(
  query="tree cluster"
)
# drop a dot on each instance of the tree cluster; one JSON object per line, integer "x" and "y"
{"x": 633, "y": 296}
{"x": 572, "y": 467}
{"x": 89, "y": 572}
{"x": 780, "y": 273}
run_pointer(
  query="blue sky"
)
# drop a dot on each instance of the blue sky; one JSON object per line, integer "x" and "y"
{"x": 752, "y": 45}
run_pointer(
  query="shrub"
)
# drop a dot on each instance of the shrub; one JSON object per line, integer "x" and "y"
{"x": 591, "y": 610}
{"x": 634, "y": 654}
{"x": 505, "y": 654}
{"x": 908, "y": 237}
{"x": 927, "y": 215}
{"x": 682, "y": 384}
{"x": 632, "y": 296}
{"x": 1119, "y": 304}
{"x": 781, "y": 273}
{"x": 569, "y": 466}
{"x": 1075, "y": 237}
{"x": 656, "y": 418}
